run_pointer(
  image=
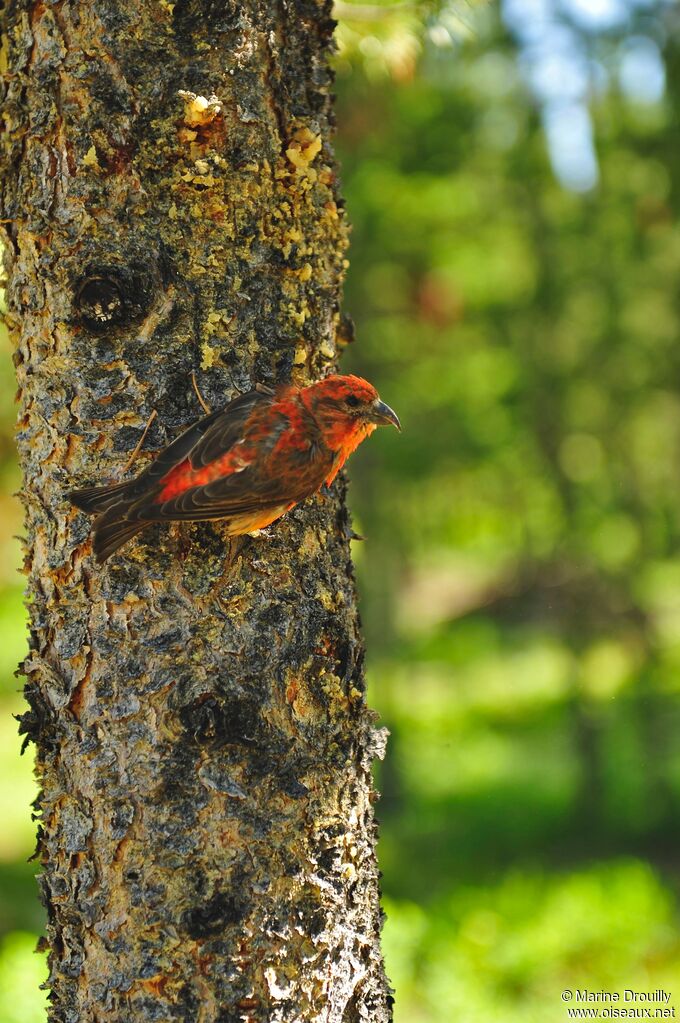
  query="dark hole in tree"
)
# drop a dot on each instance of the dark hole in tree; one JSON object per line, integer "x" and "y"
{"x": 100, "y": 302}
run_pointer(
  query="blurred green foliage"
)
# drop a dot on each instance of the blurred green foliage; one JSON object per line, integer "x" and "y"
{"x": 21, "y": 969}
{"x": 521, "y": 577}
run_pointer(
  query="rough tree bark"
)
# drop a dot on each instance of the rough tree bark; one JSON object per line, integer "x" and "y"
{"x": 203, "y": 743}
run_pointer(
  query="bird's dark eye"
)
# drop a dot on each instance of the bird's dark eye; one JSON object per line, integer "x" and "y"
{"x": 352, "y": 401}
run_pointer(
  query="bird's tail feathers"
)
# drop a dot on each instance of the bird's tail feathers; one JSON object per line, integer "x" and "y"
{"x": 97, "y": 499}
{"x": 110, "y": 533}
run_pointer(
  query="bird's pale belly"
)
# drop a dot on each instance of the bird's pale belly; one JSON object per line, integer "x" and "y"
{"x": 249, "y": 522}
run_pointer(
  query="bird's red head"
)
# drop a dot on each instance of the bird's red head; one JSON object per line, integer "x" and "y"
{"x": 347, "y": 409}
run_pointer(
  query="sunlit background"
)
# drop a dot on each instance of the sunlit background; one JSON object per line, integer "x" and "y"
{"x": 512, "y": 172}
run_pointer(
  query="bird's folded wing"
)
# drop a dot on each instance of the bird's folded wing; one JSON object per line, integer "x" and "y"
{"x": 211, "y": 436}
{"x": 286, "y": 477}
{"x": 242, "y": 462}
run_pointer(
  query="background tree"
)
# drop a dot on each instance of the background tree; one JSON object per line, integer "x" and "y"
{"x": 203, "y": 744}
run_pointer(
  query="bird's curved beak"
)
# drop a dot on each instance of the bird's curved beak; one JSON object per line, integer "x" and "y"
{"x": 383, "y": 415}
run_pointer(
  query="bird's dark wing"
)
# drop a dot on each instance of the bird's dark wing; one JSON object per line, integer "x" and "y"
{"x": 203, "y": 442}
{"x": 275, "y": 461}
{"x": 285, "y": 481}
{"x": 228, "y": 428}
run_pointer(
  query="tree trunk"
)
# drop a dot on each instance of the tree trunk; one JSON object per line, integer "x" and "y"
{"x": 204, "y": 747}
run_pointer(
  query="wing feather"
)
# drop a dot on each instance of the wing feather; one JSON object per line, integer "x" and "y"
{"x": 211, "y": 436}
{"x": 227, "y": 429}
{"x": 247, "y": 491}
{"x": 280, "y": 474}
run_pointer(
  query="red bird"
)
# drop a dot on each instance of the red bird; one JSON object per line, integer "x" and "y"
{"x": 248, "y": 463}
